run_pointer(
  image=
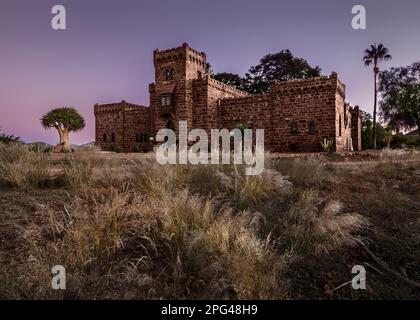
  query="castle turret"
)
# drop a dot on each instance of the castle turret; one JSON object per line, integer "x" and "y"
{"x": 171, "y": 94}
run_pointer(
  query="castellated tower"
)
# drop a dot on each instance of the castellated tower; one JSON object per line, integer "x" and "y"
{"x": 171, "y": 96}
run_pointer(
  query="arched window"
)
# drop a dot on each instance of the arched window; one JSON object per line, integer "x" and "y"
{"x": 113, "y": 137}
{"x": 104, "y": 137}
{"x": 312, "y": 127}
{"x": 294, "y": 129}
{"x": 170, "y": 125}
{"x": 170, "y": 74}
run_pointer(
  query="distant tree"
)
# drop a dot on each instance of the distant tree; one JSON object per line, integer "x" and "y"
{"x": 372, "y": 56}
{"x": 382, "y": 133}
{"x": 209, "y": 69}
{"x": 64, "y": 120}
{"x": 400, "y": 89}
{"x": 232, "y": 79}
{"x": 366, "y": 130}
{"x": 280, "y": 66}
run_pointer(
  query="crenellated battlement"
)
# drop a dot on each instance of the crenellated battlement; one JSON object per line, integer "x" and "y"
{"x": 312, "y": 84}
{"x": 223, "y": 86}
{"x": 184, "y": 52}
{"x": 117, "y": 107}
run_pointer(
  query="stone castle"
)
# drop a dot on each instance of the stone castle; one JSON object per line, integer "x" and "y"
{"x": 296, "y": 115}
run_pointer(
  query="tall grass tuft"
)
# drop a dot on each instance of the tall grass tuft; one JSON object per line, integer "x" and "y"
{"x": 23, "y": 168}
{"x": 312, "y": 225}
{"x": 78, "y": 170}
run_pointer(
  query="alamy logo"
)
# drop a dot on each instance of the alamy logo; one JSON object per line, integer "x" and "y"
{"x": 58, "y": 21}
{"x": 173, "y": 151}
{"x": 359, "y": 20}
{"x": 58, "y": 281}
{"x": 359, "y": 280}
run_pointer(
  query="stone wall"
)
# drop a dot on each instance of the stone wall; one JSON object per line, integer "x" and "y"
{"x": 296, "y": 104}
{"x": 122, "y": 126}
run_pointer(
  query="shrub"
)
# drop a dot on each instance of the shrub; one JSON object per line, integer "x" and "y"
{"x": 327, "y": 145}
{"x": 136, "y": 149}
{"x": 400, "y": 141}
{"x": 8, "y": 138}
{"x": 311, "y": 225}
{"x": 117, "y": 149}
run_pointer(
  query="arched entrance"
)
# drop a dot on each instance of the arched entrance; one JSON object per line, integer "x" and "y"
{"x": 170, "y": 125}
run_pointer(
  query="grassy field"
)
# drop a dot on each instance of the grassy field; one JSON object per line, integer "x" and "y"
{"x": 126, "y": 227}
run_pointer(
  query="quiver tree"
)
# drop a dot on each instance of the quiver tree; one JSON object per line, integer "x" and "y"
{"x": 64, "y": 120}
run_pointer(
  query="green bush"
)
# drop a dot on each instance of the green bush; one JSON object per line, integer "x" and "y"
{"x": 136, "y": 149}
{"x": 400, "y": 140}
{"x": 381, "y": 133}
{"x": 6, "y": 138}
{"x": 116, "y": 149}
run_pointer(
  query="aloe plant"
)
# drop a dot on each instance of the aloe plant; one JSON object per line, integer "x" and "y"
{"x": 327, "y": 144}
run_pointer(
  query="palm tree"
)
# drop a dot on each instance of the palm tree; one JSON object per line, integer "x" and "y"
{"x": 372, "y": 56}
{"x": 64, "y": 120}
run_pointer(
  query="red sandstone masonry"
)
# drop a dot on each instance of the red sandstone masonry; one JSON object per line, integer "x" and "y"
{"x": 207, "y": 103}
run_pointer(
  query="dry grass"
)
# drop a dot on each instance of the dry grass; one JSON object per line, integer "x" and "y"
{"x": 136, "y": 229}
{"x": 21, "y": 168}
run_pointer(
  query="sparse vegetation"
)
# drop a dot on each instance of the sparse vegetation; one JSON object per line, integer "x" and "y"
{"x": 8, "y": 138}
{"x": 136, "y": 229}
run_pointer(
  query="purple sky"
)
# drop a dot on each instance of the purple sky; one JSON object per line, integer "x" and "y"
{"x": 105, "y": 55}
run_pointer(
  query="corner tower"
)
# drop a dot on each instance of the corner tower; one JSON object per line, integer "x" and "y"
{"x": 171, "y": 96}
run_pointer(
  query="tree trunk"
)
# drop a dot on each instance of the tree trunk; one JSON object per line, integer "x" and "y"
{"x": 65, "y": 141}
{"x": 375, "y": 71}
{"x": 64, "y": 145}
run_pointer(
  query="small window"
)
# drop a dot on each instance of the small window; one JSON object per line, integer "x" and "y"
{"x": 169, "y": 74}
{"x": 141, "y": 137}
{"x": 104, "y": 137}
{"x": 165, "y": 101}
{"x": 294, "y": 129}
{"x": 199, "y": 74}
{"x": 113, "y": 137}
{"x": 312, "y": 127}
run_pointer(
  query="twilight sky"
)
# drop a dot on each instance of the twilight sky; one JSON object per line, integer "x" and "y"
{"x": 105, "y": 55}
